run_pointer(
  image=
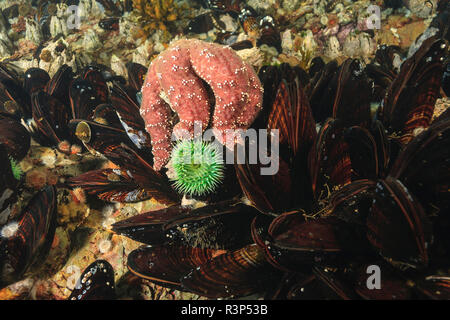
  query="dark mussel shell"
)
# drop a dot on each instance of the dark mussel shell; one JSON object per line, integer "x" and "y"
{"x": 136, "y": 75}
{"x": 311, "y": 287}
{"x": 321, "y": 91}
{"x": 424, "y": 166}
{"x": 50, "y": 119}
{"x": 336, "y": 281}
{"x": 204, "y": 23}
{"x": 329, "y": 160}
{"x": 94, "y": 75}
{"x": 397, "y": 226}
{"x": 84, "y": 99}
{"x": 128, "y": 112}
{"x": 352, "y": 202}
{"x": 446, "y": 80}
{"x": 148, "y": 227}
{"x": 410, "y": 100}
{"x": 316, "y": 65}
{"x": 241, "y": 45}
{"x": 35, "y": 80}
{"x": 270, "y": 35}
{"x": 95, "y": 283}
{"x": 112, "y": 185}
{"x": 315, "y": 240}
{"x": 292, "y": 115}
{"x": 383, "y": 69}
{"x": 384, "y": 154}
{"x": 223, "y": 225}
{"x": 362, "y": 148}
{"x": 167, "y": 264}
{"x": 353, "y": 94}
{"x": 109, "y": 142}
{"x": 109, "y": 24}
{"x": 26, "y": 241}
{"x": 14, "y": 136}
{"x": 104, "y": 139}
{"x": 59, "y": 85}
{"x": 233, "y": 274}
{"x": 106, "y": 114}
{"x": 270, "y": 194}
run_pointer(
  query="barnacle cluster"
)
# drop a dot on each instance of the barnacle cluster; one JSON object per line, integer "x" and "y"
{"x": 159, "y": 14}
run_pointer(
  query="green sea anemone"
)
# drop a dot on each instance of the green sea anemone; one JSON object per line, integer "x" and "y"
{"x": 15, "y": 168}
{"x": 198, "y": 167}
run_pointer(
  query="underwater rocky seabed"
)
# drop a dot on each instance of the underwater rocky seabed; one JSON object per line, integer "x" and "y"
{"x": 35, "y": 34}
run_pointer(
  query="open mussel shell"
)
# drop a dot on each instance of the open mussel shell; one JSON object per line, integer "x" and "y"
{"x": 167, "y": 264}
{"x": 233, "y": 274}
{"x": 112, "y": 185}
{"x": 95, "y": 283}
{"x": 397, "y": 226}
{"x": 409, "y": 101}
{"x": 311, "y": 288}
{"x": 14, "y": 136}
{"x": 26, "y": 241}
{"x": 127, "y": 111}
{"x": 148, "y": 227}
{"x": 104, "y": 139}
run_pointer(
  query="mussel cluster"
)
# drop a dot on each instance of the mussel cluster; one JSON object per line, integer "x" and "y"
{"x": 357, "y": 186}
{"x": 359, "y": 183}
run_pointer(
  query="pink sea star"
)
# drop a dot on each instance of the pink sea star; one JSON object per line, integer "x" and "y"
{"x": 175, "y": 82}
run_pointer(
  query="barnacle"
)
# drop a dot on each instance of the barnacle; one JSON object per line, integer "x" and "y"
{"x": 158, "y": 14}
